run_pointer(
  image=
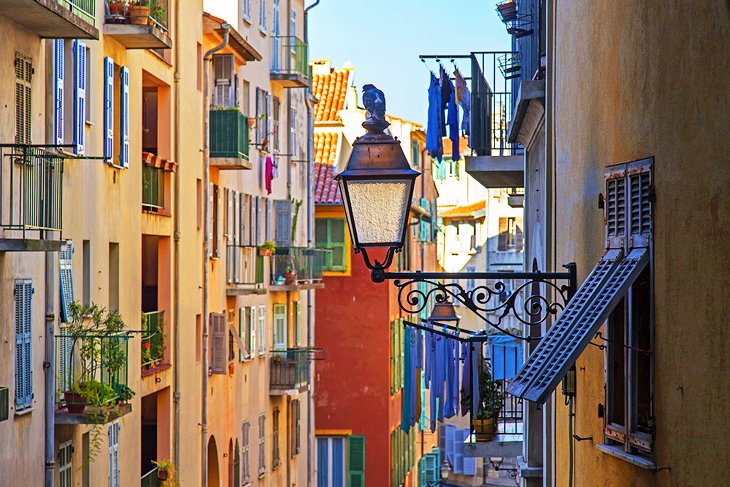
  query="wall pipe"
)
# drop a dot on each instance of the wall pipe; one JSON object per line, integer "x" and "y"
{"x": 176, "y": 253}
{"x": 206, "y": 247}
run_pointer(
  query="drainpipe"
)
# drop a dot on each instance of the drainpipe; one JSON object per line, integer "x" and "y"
{"x": 49, "y": 367}
{"x": 176, "y": 255}
{"x": 310, "y": 244}
{"x": 206, "y": 248}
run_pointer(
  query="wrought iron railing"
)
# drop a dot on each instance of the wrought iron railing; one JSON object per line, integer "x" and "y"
{"x": 31, "y": 188}
{"x": 290, "y": 368}
{"x": 142, "y": 12}
{"x": 290, "y": 56}
{"x": 86, "y": 9}
{"x": 297, "y": 265}
{"x": 150, "y": 479}
{"x": 153, "y": 188}
{"x": 244, "y": 266}
{"x": 153, "y": 338}
{"x": 91, "y": 368}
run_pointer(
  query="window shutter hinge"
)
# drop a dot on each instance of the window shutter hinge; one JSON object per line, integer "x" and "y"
{"x": 601, "y": 201}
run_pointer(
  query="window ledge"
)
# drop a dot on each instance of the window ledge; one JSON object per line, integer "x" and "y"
{"x": 23, "y": 412}
{"x": 247, "y": 19}
{"x": 262, "y": 30}
{"x": 618, "y": 452}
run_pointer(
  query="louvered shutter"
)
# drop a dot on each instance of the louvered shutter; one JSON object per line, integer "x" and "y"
{"x": 245, "y": 352}
{"x": 356, "y": 461}
{"x": 459, "y": 437}
{"x": 568, "y": 337}
{"x": 434, "y": 220}
{"x": 124, "y": 121}
{"x": 113, "y": 437}
{"x": 223, "y": 75}
{"x": 262, "y": 330}
{"x": 283, "y": 223}
{"x": 252, "y": 319}
{"x": 209, "y": 221}
{"x": 423, "y": 224}
{"x": 58, "y": 60}
{"x": 79, "y": 95}
{"x": 266, "y": 210}
{"x": 449, "y": 439}
{"x": 23, "y": 344}
{"x": 108, "y": 108}
{"x": 257, "y": 215}
{"x": 218, "y": 349}
{"x": 615, "y": 208}
{"x": 640, "y": 216}
{"x": 243, "y": 237}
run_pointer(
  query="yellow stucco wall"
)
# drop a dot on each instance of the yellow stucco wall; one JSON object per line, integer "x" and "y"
{"x": 636, "y": 80}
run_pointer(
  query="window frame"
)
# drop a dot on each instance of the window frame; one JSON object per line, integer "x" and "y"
{"x": 262, "y": 445}
{"x": 275, "y": 453}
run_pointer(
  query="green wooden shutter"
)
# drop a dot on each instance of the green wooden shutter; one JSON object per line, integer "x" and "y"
{"x": 336, "y": 242}
{"x": 356, "y": 461}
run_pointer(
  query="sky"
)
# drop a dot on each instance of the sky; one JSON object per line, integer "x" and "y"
{"x": 383, "y": 39}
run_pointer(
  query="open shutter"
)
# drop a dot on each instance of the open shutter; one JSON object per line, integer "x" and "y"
{"x": 423, "y": 224}
{"x": 459, "y": 437}
{"x": 79, "y": 95}
{"x": 283, "y": 223}
{"x": 262, "y": 330}
{"x": 223, "y": 76}
{"x": 257, "y": 220}
{"x": 245, "y": 351}
{"x": 356, "y": 461}
{"x": 218, "y": 348}
{"x": 58, "y": 90}
{"x": 66, "y": 281}
{"x": 640, "y": 221}
{"x": 615, "y": 208}
{"x": 252, "y": 329}
{"x": 108, "y": 108}
{"x": 124, "y": 121}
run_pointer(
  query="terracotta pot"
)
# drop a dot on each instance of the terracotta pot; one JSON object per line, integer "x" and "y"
{"x": 139, "y": 15}
{"x": 75, "y": 403}
{"x": 507, "y": 10}
{"x": 484, "y": 429}
{"x": 116, "y": 8}
{"x": 290, "y": 278}
{"x": 162, "y": 474}
{"x": 265, "y": 252}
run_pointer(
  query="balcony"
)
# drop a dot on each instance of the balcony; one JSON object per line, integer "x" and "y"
{"x": 153, "y": 189}
{"x": 229, "y": 139}
{"x": 244, "y": 271}
{"x": 499, "y": 162}
{"x": 150, "y": 479}
{"x": 91, "y": 377}
{"x": 294, "y": 268}
{"x": 54, "y": 19}
{"x": 289, "y": 371}
{"x": 506, "y": 439}
{"x": 141, "y": 26}
{"x": 31, "y": 191}
{"x": 153, "y": 340}
{"x": 290, "y": 65}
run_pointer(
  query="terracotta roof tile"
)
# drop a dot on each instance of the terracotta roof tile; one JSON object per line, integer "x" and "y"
{"x": 330, "y": 89}
{"x": 464, "y": 211}
{"x": 325, "y": 161}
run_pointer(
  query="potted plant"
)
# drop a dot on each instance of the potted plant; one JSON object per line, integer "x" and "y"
{"x": 165, "y": 469}
{"x": 139, "y": 12}
{"x": 507, "y": 10}
{"x": 124, "y": 393}
{"x": 268, "y": 248}
{"x": 116, "y": 8}
{"x": 484, "y": 421}
{"x": 157, "y": 13}
{"x": 290, "y": 276}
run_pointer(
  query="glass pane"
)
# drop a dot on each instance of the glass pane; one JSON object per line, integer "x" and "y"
{"x": 320, "y": 231}
{"x": 337, "y": 230}
{"x": 338, "y": 462}
{"x": 379, "y": 209}
{"x": 338, "y": 257}
{"x": 322, "y": 464}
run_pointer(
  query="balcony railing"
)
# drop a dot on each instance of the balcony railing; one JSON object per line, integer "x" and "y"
{"x": 153, "y": 338}
{"x": 228, "y": 136}
{"x": 153, "y": 188}
{"x": 290, "y": 369}
{"x": 92, "y": 372}
{"x": 54, "y": 19}
{"x": 31, "y": 189}
{"x": 85, "y": 9}
{"x": 142, "y": 25}
{"x": 244, "y": 266}
{"x": 290, "y": 62}
{"x": 292, "y": 266}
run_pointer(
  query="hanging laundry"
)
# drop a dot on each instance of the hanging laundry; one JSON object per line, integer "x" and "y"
{"x": 405, "y": 419}
{"x": 466, "y": 378}
{"x": 434, "y": 132}
{"x": 275, "y": 164}
{"x": 268, "y": 173}
{"x": 449, "y": 369}
{"x": 447, "y": 90}
{"x": 452, "y": 116}
{"x": 463, "y": 98}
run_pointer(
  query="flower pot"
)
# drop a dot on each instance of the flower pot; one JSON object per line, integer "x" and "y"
{"x": 116, "y": 8}
{"x": 265, "y": 252}
{"x": 484, "y": 429}
{"x": 290, "y": 278}
{"x": 75, "y": 403}
{"x": 139, "y": 15}
{"x": 507, "y": 11}
{"x": 162, "y": 474}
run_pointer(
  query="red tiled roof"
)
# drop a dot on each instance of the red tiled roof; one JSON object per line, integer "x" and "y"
{"x": 149, "y": 159}
{"x": 464, "y": 211}
{"x": 325, "y": 161}
{"x": 330, "y": 89}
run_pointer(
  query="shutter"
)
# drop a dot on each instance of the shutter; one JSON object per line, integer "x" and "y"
{"x": 209, "y": 221}
{"x": 615, "y": 208}
{"x": 336, "y": 243}
{"x": 108, "y": 108}
{"x": 223, "y": 86}
{"x": 20, "y": 349}
{"x": 430, "y": 469}
{"x": 283, "y": 223}
{"x": 503, "y": 234}
{"x": 80, "y": 95}
{"x": 459, "y": 437}
{"x": 423, "y": 224}
{"x": 449, "y": 440}
{"x": 252, "y": 330}
{"x": 470, "y": 463}
{"x": 218, "y": 348}
{"x": 262, "y": 330}
{"x": 58, "y": 90}
{"x": 245, "y": 351}
{"x": 28, "y": 342}
{"x": 434, "y": 221}
{"x": 256, "y": 212}
{"x": 356, "y": 460}
{"x": 218, "y": 221}
{"x": 124, "y": 121}
{"x": 66, "y": 281}
{"x": 575, "y": 327}
{"x": 243, "y": 236}
{"x": 113, "y": 435}
{"x": 640, "y": 217}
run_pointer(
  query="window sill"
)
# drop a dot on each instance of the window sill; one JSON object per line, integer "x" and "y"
{"x": 247, "y": 19}
{"x": 89, "y": 123}
{"x": 262, "y": 31}
{"x": 24, "y": 411}
{"x": 618, "y": 452}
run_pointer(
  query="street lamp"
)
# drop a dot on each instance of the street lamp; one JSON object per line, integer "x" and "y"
{"x": 445, "y": 312}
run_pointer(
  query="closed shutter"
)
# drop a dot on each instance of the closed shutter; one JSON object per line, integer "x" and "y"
{"x": 79, "y": 96}
{"x": 58, "y": 47}
{"x": 65, "y": 464}
{"x": 615, "y": 208}
{"x": 113, "y": 435}
{"x": 356, "y": 461}
{"x": 245, "y": 448}
{"x": 459, "y": 437}
{"x": 223, "y": 76}
{"x": 23, "y": 102}
{"x": 23, "y": 344}
{"x": 337, "y": 243}
{"x": 124, "y": 121}
{"x": 218, "y": 349}
{"x": 108, "y": 108}
{"x": 283, "y": 232}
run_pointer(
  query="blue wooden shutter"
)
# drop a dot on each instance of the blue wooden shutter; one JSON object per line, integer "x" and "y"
{"x": 434, "y": 221}
{"x": 423, "y": 225}
{"x": 23, "y": 344}
{"x": 356, "y": 461}
{"x": 108, "y": 108}
{"x": 79, "y": 95}
{"x": 58, "y": 90}
{"x": 124, "y": 122}
{"x": 66, "y": 281}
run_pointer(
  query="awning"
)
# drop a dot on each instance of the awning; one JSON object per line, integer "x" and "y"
{"x": 152, "y": 160}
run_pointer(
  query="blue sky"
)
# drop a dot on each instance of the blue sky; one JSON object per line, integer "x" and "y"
{"x": 382, "y": 39}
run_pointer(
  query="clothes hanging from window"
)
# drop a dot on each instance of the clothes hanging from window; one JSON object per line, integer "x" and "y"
{"x": 407, "y": 386}
{"x": 434, "y": 131}
{"x": 275, "y": 166}
{"x": 463, "y": 98}
{"x": 452, "y": 116}
{"x": 466, "y": 379}
{"x": 268, "y": 173}
{"x": 447, "y": 89}
{"x": 449, "y": 398}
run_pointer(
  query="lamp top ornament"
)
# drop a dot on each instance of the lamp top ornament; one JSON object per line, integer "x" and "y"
{"x": 374, "y": 101}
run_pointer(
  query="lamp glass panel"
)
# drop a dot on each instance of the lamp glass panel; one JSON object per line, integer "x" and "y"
{"x": 379, "y": 209}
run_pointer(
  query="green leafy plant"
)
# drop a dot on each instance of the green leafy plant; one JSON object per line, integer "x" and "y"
{"x": 269, "y": 246}
{"x": 297, "y": 205}
{"x": 491, "y": 397}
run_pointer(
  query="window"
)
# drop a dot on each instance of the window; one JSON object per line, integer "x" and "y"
{"x": 415, "y": 153}
{"x": 251, "y": 331}
{"x": 275, "y": 123}
{"x": 262, "y": 118}
{"x": 245, "y": 472}
{"x": 262, "y": 15}
{"x": 330, "y": 235}
{"x": 510, "y": 234}
{"x": 262, "y": 330}
{"x": 23, "y": 344}
{"x": 471, "y": 282}
{"x": 247, "y": 10}
{"x": 275, "y": 460}
{"x": 224, "y": 87}
{"x": 23, "y": 101}
{"x": 295, "y": 415}
{"x": 262, "y": 445}
{"x": 280, "y": 326}
{"x": 331, "y": 462}
{"x": 65, "y": 464}
{"x": 113, "y": 435}
{"x": 293, "y": 25}
{"x": 245, "y": 97}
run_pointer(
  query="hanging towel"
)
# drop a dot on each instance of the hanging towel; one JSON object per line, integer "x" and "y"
{"x": 269, "y": 173}
{"x": 434, "y": 132}
{"x": 466, "y": 379}
{"x": 405, "y": 420}
{"x": 463, "y": 98}
{"x": 448, "y": 392}
{"x": 452, "y": 116}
